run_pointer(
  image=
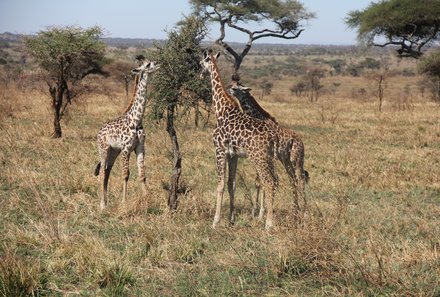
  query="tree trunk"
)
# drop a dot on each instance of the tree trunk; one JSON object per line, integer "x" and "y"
{"x": 196, "y": 115}
{"x": 57, "y": 94}
{"x": 380, "y": 93}
{"x": 177, "y": 159}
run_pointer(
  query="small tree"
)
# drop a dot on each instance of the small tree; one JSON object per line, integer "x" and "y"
{"x": 122, "y": 72}
{"x": 430, "y": 66}
{"x": 179, "y": 70}
{"x": 312, "y": 81}
{"x": 379, "y": 78}
{"x": 282, "y": 17}
{"x": 408, "y": 24}
{"x": 67, "y": 54}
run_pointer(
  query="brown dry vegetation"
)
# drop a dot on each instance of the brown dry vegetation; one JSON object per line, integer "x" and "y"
{"x": 373, "y": 227}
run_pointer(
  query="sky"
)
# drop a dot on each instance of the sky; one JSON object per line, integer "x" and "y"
{"x": 151, "y": 18}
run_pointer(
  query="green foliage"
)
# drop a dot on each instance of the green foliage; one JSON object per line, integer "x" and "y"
{"x": 407, "y": 23}
{"x": 75, "y": 51}
{"x": 369, "y": 63}
{"x": 280, "y": 19}
{"x": 430, "y": 64}
{"x": 68, "y": 54}
{"x": 179, "y": 68}
{"x": 286, "y": 15}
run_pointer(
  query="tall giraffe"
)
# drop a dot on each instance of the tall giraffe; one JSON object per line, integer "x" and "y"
{"x": 290, "y": 150}
{"x": 238, "y": 135}
{"x": 124, "y": 135}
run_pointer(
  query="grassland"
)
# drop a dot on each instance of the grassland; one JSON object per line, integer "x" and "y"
{"x": 373, "y": 227}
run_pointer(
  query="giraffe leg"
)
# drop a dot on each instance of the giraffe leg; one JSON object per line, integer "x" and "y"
{"x": 232, "y": 170}
{"x": 108, "y": 159}
{"x": 301, "y": 178}
{"x": 269, "y": 181}
{"x": 290, "y": 170}
{"x": 125, "y": 172}
{"x": 257, "y": 196}
{"x": 297, "y": 159}
{"x": 221, "y": 164}
{"x": 260, "y": 199}
{"x": 140, "y": 152}
{"x": 103, "y": 176}
{"x": 269, "y": 185}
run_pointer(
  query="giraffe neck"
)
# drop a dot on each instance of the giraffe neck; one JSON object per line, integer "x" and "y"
{"x": 251, "y": 107}
{"x": 136, "y": 111}
{"x": 221, "y": 99}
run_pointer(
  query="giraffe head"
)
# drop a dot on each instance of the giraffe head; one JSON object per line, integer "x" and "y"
{"x": 248, "y": 103}
{"x": 208, "y": 60}
{"x": 146, "y": 67}
{"x": 239, "y": 91}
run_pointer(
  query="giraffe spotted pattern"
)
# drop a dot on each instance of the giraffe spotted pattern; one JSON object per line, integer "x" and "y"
{"x": 124, "y": 135}
{"x": 238, "y": 135}
{"x": 290, "y": 150}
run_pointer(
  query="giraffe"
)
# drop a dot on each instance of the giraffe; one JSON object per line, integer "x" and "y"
{"x": 238, "y": 135}
{"x": 124, "y": 135}
{"x": 290, "y": 150}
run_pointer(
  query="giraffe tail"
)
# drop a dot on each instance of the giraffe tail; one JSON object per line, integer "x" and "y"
{"x": 97, "y": 169}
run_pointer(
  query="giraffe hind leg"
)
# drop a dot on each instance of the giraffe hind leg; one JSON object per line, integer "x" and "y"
{"x": 108, "y": 159}
{"x": 125, "y": 173}
{"x": 232, "y": 171}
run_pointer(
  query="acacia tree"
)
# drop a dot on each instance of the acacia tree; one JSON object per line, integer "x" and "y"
{"x": 410, "y": 25}
{"x": 179, "y": 71}
{"x": 67, "y": 55}
{"x": 280, "y": 18}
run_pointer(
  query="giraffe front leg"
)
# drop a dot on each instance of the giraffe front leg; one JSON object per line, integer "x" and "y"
{"x": 140, "y": 155}
{"x": 125, "y": 172}
{"x": 108, "y": 157}
{"x": 221, "y": 164}
{"x": 232, "y": 169}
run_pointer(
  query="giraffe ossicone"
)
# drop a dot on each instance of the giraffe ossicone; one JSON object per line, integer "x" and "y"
{"x": 123, "y": 135}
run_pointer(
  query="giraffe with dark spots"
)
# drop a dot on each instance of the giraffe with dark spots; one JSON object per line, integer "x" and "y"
{"x": 290, "y": 150}
{"x": 123, "y": 135}
{"x": 238, "y": 135}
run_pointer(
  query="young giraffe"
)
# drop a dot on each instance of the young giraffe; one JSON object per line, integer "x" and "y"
{"x": 290, "y": 150}
{"x": 123, "y": 135}
{"x": 238, "y": 135}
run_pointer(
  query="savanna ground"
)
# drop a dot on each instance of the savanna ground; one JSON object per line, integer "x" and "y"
{"x": 373, "y": 226}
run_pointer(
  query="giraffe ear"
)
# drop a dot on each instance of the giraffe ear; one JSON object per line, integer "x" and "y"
{"x": 217, "y": 55}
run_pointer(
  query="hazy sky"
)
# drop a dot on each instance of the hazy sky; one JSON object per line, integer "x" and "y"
{"x": 149, "y": 18}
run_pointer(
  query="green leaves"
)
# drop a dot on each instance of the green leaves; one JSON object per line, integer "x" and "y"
{"x": 285, "y": 16}
{"x": 72, "y": 50}
{"x": 407, "y": 23}
{"x": 179, "y": 70}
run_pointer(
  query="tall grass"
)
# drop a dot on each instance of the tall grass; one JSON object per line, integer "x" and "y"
{"x": 372, "y": 229}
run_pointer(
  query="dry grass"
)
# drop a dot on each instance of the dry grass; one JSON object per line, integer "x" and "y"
{"x": 373, "y": 226}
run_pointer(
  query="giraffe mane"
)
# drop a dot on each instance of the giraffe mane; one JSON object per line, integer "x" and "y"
{"x": 130, "y": 104}
{"x": 257, "y": 106}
